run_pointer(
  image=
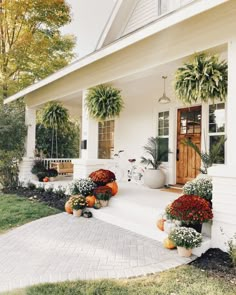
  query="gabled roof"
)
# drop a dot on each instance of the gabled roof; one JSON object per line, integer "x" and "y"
{"x": 138, "y": 35}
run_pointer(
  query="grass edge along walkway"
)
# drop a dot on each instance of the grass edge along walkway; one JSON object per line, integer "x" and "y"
{"x": 16, "y": 211}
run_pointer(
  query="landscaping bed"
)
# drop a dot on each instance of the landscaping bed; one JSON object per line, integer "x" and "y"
{"x": 56, "y": 199}
{"x": 217, "y": 264}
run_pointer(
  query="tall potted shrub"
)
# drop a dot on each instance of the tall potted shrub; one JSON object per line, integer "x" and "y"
{"x": 154, "y": 177}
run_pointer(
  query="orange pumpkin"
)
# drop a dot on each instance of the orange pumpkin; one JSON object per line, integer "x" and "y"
{"x": 169, "y": 244}
{"x": 46, "y": 179}
{"x": 160, "y": 224}
{"x": 90, "y": 201}
{"x": 68, "y": 208}
{"x": 114, "y": 187}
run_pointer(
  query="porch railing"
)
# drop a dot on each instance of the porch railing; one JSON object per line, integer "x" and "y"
{"x": 47, "y": 161}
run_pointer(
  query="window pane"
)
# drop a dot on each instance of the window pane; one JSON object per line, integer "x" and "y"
{"x": 163, "y": 149}
{"x": 217, "y": 117}
{"x": 105, "y": 139}
{"x": 160, "y": 131}
{"x": 214, "y": 140}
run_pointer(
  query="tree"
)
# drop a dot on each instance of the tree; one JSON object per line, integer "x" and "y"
{"x": 31, "y": 45}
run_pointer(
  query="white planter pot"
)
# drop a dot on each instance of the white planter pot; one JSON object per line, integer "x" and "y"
{"x": 104, "y": 203}
{"x": 77, "y": 213}
{"x": 183, "y": 252}
{"x": 154, "y": 178}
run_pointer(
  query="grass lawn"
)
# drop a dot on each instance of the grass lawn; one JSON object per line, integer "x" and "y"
{"x": 15, "y": 211}
{"x": 184, "y": 280}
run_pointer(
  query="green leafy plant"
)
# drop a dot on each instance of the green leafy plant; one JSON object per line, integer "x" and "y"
{"x": 186, "y": 237}
{"x": 208, "y": 159}
{"x": 203, "y": 78}
{"x": 155, "y": 151}
{"x": 38, "y": 167}
{"x": 52, "y": 173}
{"x": 103, "y": 193}
{"x": 104, "y": 102}
{"x": 55, "y": 116}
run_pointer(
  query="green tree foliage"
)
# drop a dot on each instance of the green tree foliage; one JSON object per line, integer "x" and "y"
{"x": 31, "y": 45}
{"x": 68, "y": 140}
{"x": 31, "y": 48}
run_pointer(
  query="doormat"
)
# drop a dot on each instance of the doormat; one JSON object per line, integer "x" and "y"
{"x": 172, "y": 190}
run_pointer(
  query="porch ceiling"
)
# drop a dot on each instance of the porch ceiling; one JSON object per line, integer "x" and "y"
{"x": 206, "y": 30}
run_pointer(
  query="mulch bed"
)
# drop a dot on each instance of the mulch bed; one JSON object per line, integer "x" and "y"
{"x": 56, "y": 200}
{"x": 218, "y": 264}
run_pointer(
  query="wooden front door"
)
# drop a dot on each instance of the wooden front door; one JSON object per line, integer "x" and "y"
{"x": 188, "y": 161}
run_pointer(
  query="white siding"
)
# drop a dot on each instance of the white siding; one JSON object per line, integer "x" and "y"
{"x": 147, "y": 11}
{"x": 144, "y": 12}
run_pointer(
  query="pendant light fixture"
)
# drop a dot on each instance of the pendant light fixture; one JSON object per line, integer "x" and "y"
{"x": 164, "y": 99}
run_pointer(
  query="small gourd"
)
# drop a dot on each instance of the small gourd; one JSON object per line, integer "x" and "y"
{"x": 97, "y": 205}
{"x": 46, "y": 179}
{"x": 169, "y": 244}
{"x": 160, "y": 224}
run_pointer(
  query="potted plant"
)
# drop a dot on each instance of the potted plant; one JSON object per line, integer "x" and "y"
{"x": 102, "y": 177}
{"x": 77, "y": 203}
{"x": 39, "y": 169}
{"x": 103, "y": 194}
{"x": 82, "y": 186}
{"x": 191, "y": 210}
{"x": 201, "y": 187}
{"x": 185, "y": 240}
{"x": 154, "y": 177}
{"x": 52, "y": 173}
{"x": 104, "y": 102}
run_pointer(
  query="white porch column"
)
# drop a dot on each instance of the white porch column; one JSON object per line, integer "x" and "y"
{"x": 89, "y": 145}
{"x": 224, "y": 176}
{"x": 89, "y": 133}
{"x": 30, "y": 121}
{"x": 25, "y": 174}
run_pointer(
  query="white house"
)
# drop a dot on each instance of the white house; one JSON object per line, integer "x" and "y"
{"x": 142, "y": 41}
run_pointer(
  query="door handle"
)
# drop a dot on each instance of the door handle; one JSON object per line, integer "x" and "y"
{"x": 177, "y": 155}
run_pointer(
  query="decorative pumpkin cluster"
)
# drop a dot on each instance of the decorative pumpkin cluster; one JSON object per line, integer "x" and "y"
{"x": 190, "y": 209}
{"x": 102, "y": 177}
{"x": 100, "y": 186}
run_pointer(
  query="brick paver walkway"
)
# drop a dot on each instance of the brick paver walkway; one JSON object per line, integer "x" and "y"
{"x": 63, "y": 247}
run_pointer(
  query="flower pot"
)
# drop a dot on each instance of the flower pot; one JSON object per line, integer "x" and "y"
{"x": 104, "y": 203}
{"x": 154, "y": 178}
{"x": 77, "y": 213}
{"x": 183, "y": 252}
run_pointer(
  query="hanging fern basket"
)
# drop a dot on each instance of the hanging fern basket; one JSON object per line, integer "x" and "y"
{"x": 104, "y": 102}
{"x": 203, "y": 79}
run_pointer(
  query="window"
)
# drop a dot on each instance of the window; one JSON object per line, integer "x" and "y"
{"x": 106, "y": 139}
{"x": 217, "y": 128}
{"x": 190, "y": 122}
{"x": 163, "y": 134}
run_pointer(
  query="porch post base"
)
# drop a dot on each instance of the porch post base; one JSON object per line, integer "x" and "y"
{"x": 82, "y": 167}
{"x": 25, "y": 167}
{"x": 224, "y": 203}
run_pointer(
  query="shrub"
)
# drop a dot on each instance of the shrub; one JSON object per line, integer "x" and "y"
{"x": 38, "y": 167}
{"x": 190, "y": 209}
{"x": 31, "y": 186}
{"x": 8, "y": 169}
{"x": 186, "y": 237}
{"x": 52, "y": 173}
{"x": 82, "y": 186}
{"x": 201, "y": 187}
{"x": 103, "y": 193}
{"x": 102, "y": 176}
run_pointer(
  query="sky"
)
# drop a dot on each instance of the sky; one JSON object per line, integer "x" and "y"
{"x": 88, "y": 20}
